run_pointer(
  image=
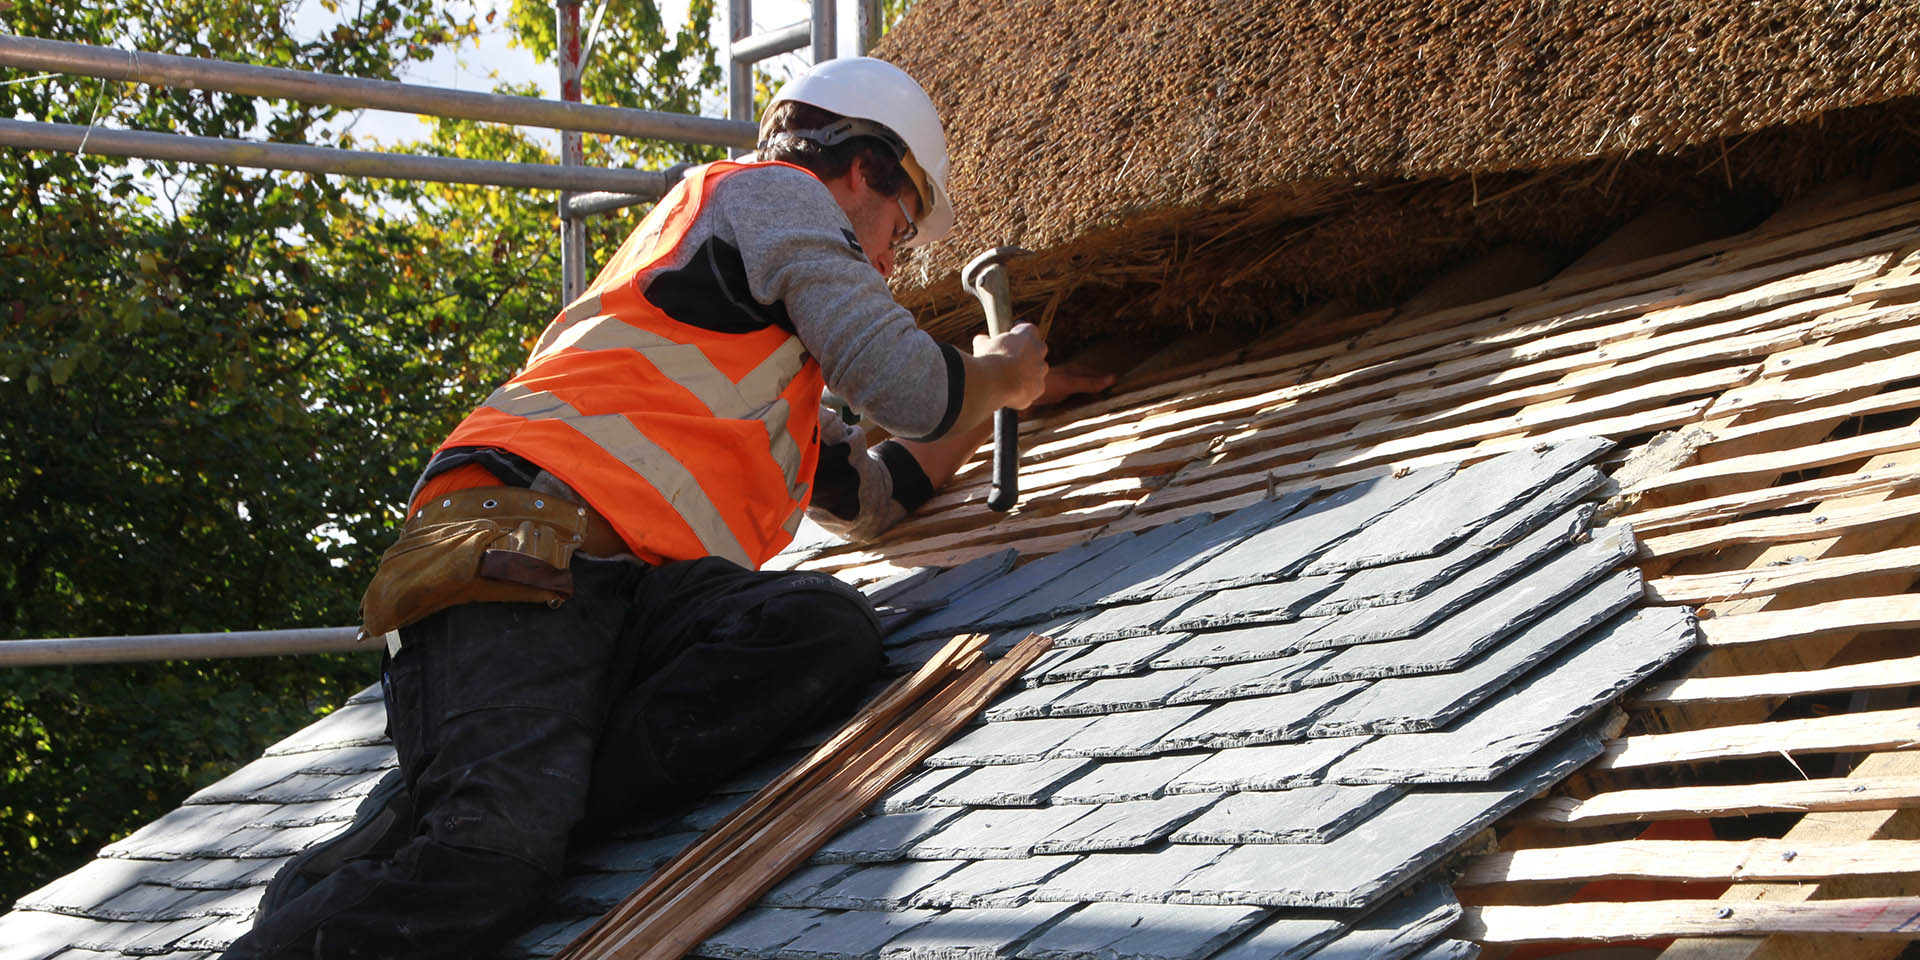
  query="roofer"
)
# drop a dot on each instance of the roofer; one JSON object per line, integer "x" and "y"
{"x": 574, "y": 620}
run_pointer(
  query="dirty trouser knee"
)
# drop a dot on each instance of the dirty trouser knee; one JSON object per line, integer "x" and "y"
{"x": 494, "y": 710}
{"x": 730, "y": 662}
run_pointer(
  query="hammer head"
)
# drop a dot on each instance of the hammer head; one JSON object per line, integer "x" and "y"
{"x": 971, "y": 273}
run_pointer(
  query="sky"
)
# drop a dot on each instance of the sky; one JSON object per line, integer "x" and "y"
{"x": 494, "y": 60}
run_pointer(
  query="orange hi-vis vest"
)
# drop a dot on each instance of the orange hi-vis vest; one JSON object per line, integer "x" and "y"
{"x": 691, "y": 442}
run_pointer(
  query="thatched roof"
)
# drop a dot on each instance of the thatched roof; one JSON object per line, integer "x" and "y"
{"x": 1182, "y": 154}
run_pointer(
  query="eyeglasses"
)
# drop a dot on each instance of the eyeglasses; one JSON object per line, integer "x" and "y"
{"x": 905, "y": 236}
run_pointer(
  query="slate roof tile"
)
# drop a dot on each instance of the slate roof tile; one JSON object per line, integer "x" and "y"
{"x": 1278, "y": 551}
{"x": 881, "y": 886}
{"x": 1135, "y": 734}
{"x": 798, "y": 888}
{"x": 1141, "y": 931}
{"x": 1449, "y": 512}
{"x": 1289, "y": 935}
{"x": 1007, "y": 785}
{"x": 1113, "y": 658}
{"x": 995, "y": 833}
{"x": 1257, "y": 720}
{"x": 1280, "y": 766}
{"x": 1447, "y": 950}
{"x": 643, "y": 853}
{"x": 1359, "y": 867}
{"x": 98, "y": 881}
{"x": 1313, "y": 814}
{"x": 1010, "y": 741}
{"x": 852, "y": 935}
{"x": 1260, "y": 603}
{"x": 1376, "y": 624}
{"x": 759, "y": 932}
{"x": 1240, "y": 644}
{"x": 1027, "y": 703}
{"x": 1113, "y": 781}
{"x": 994, "y": 883}
{"x": 1546, "y": 702}
{"x": 357, "y": 724}
{"x": 917, "y": 791}
{"x": 974, "y": 934}
{"x": 1417, "y": 703}
{"x": 1131, "y": 876}
{"x": 939, "y": 591}
{"x": 1118, "y": 694}
{"x": 1491, "y": 618}
{"x": 1405, "y": 925}
{"x": 1123, "y": 825}
{"x": 1251, "y": 678}
{"x": 885, "y": 837}
{"x": 976, "y": 609}
{"x": 1151, "y": 572}
{"x": 1070, "y": 591}
{"x": 1137, "y": 619}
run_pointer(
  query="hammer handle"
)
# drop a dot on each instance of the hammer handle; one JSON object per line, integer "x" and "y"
{"x": 1006, "y": 460}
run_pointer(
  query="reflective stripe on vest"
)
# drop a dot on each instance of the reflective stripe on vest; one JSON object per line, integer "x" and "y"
{"x": 690, "y": 441}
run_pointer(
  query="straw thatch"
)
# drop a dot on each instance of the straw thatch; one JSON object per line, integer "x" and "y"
{"x": 1180, "y": 158}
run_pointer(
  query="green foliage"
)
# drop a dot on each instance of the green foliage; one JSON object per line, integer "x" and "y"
{"x": 218, "y": 384}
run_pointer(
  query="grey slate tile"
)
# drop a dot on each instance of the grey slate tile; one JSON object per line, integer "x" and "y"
{"x": 1448, "y": 949}
{"x": 1361, "y": 866}
{"x": 1123, "y": 826}
{"x": 1010, "y": 741}
{"x": 976, "y": 610}
{"x": 1142, "y": 931}
{"x": 974, "y": 934}
{"x": 596, "y": 892}
{"x": 905, "y": 657}
{"x": 34, "y": 934}
{"x": 993, "y": 883}
{"x": 1403, "y": 926}
{"x": 1449, "y": 512}
{"x": 915, "y": 793}
{"x": 1313, "y": 814}
{"x": 759, "y": 932}
{"x": 1241, "y": 644}
{"x": 885, "y": 837}
{"x": 225, "y": 874}
{"x": 1289, "y": 935}
{"x": 1281, "y": 766}
{"x": 797, "y": 888}
{"x": 1412, "y": 579}
{"x": 1130, "y": 876}
{"x": 1282, "y": 549}
{"x": 1113, "y": 658}
{"x": 1115, "y": 781}
{"x": 996, "y": 833}
{"x": 98, "y": 881}
{"x": 1428, "y": 702}
{"x": 272, "y": 841}
{"x": 251, "y": 781}
{"x": 644, "y": 853}
{"x": 544, "y": 939}
{"x": 1137, "y": 619}
{"x": 1008, "y": 785}
{"x": 1540, "y": 706}
{"x": 1258, "y": 720}
{"x": 881, "y": 592}
{"x": 353, "y": 725}
{"x": 195, "y": 832}
{"x": 1152, "y": 573}
{"x": 1135, "y": 734}
{"x": 1083, "y": 586}
{"x": 853, "y": 935}
{"x": 1026, "y": 704}
{"x": 1275, "y": 602}
{"x": 882, "y": 886}
{"x": 939, "y": 591}
{"x": 1253, "y": 678}
{"x": 1117, "y": 694}
{"x": 1375, "y": 624}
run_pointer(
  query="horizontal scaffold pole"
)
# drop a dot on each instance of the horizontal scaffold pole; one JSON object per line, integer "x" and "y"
{"x": 146, "y": 145}
{"x": 168, "y": 70}
{"x": 182, "y": 646}
{"x": 764, "y": 46}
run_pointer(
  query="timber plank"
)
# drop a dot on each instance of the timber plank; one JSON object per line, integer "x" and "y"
{"x": 1802, "y": 493}
{"x": 1840, "y": 733}
{"x": 1781, "y": 529}
{"x": 1661, "y": 919}
{"x": 1731, "y": 800}
{"x": 1846, "y": 616}
{"x": 1784, "y": 461}
{"x": 1763, "y": 581}
{"x": 1695, "y": 861}
{"x": 1874, "y": 675}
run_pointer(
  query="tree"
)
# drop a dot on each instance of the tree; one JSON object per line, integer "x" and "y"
{"x": 218, "y": 384}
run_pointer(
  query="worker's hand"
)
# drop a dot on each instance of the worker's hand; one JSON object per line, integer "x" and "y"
{"x": 1065, "y": 381}
{"x": 1018, "y": 359}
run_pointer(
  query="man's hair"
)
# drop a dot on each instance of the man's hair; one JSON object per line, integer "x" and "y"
{"x": 884, "y": 172}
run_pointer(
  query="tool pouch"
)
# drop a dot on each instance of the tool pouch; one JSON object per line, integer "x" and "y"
{"x": 480, "y": 545}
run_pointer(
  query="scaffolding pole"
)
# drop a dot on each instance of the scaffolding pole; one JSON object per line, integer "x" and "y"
{"x": 180, "y": 148}
{"x": 72, "y": 651}
{"x": 573, "y": 230}
{"x": 167, "y": 70}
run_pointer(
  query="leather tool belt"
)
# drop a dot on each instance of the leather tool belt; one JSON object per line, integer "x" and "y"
{"x": 478, "y": 545}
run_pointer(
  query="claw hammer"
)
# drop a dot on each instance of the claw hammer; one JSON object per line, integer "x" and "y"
{"x": 985, "y": 276}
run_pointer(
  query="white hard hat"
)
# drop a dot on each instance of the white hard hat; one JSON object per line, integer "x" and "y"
{"x": 864, "y": 88}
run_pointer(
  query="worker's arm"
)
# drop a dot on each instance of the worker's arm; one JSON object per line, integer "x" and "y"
{"x": 940, "y": 459}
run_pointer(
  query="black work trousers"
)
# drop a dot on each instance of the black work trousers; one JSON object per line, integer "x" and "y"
{"x": 518, "y": 725}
